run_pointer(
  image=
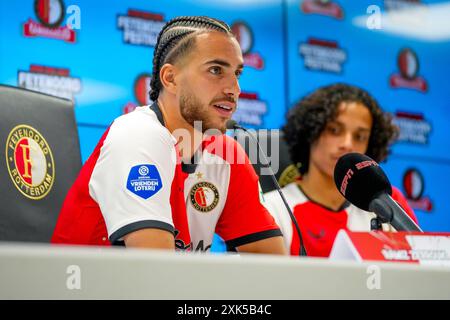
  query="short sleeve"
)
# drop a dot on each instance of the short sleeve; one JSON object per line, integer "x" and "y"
{"x": 131, "y": 181}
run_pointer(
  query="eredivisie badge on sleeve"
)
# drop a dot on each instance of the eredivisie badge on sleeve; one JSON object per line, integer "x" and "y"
{"x": 30, "y": 162}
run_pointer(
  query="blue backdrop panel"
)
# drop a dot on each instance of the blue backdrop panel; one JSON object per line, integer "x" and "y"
{"x": 422, "y": 182}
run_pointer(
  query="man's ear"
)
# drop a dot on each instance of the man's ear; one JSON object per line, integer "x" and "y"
{"x": 167, "y": 77}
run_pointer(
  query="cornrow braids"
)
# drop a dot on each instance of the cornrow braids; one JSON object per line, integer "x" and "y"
{"x": 171, "y": 38}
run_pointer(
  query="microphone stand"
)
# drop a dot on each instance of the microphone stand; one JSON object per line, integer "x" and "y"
{"x": 266, "y": 164}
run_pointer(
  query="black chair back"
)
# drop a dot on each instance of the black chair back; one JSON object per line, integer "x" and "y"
{"x": 40, "y": 152}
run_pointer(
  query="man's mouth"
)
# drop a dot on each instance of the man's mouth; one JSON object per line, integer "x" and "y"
{"x": 224, "y": 109}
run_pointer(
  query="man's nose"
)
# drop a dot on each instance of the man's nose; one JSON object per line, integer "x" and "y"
{"x": 346, "y": 142}
{"x": 233, "y": 88}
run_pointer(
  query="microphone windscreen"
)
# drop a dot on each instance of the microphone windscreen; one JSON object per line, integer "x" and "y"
{"x": 360, "y": 179}
{"x": 231, "y": 124}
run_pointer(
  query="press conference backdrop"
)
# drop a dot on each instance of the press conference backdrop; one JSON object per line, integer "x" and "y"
{"x": 397, "y": 49}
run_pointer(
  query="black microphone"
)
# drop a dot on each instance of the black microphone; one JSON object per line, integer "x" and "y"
{"x": 362, "y": 182}
{"x": 232, "y": 125}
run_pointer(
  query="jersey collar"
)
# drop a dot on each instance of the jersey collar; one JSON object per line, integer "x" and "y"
{"x": 188, "y": 168}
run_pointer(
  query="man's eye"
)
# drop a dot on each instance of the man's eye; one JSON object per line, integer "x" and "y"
{"x": 238, "y": 74}
{"x": 215, "y": 70}
{"x": 333, "y": 130}
{"x": 362, "y": 137}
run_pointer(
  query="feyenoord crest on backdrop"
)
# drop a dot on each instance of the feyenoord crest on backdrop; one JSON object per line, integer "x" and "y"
{"x": 50, "y": 15}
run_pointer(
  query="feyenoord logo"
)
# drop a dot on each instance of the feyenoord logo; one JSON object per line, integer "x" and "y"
{"x": 30, "y": 162}
{"x": 204, "y": 196}
{"x": 142, "y": 87}
{"x": 50, "y": 16}
{"x": 408, "y": 65}
{"x": 141, "y": 90}
{"x": 244, "y": 36}
{"x": 49, "y": 12}
{"x": 414, "y": 185}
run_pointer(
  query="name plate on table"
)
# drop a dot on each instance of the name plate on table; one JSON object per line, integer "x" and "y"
{"x": 412, "y": 247}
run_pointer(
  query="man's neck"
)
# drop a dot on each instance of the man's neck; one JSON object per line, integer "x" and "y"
{"x": 321, "y": 188}
{"x": 188, "y": 139}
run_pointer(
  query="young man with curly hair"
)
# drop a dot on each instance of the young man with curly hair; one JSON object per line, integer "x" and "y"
{"x": 328, "y": 123}
{"x": 139, "y": 187}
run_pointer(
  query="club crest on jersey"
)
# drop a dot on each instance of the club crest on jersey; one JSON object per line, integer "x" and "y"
{"x": 144, "y": 180}
{"x": 204, "y": 196}
{"x": 30, "y": 162}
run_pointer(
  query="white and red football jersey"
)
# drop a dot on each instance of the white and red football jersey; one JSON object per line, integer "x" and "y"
{"x": 134, "y": 180}
{"x": 318, "y": 224}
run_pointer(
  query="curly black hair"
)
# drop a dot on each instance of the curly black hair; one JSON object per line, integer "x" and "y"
{"x": 175, "y": 40}
{"x": 306, "y": 121}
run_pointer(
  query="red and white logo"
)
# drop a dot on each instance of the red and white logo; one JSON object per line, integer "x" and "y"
{"x": 408, "y": 65}
{"x": 50, "y": 80}
{"x": 142, "y": 88}
{"x": 204, "y": 196}
{"x": 414, "y": 185}
{"x": 141, "y": 92}
{"x": 30, "y": 162}
{"x": 322, "y": 7}
{"x": 244, "y": 36}
{"x": 50, "y": 14}
{"x": 251, "y": 109}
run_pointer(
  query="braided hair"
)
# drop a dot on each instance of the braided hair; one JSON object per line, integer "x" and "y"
{"x": 175, "y": 40}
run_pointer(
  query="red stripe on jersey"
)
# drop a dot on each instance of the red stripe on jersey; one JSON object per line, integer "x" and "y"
{"x": 80, "y": 220}
{"x": 178, "y": 205}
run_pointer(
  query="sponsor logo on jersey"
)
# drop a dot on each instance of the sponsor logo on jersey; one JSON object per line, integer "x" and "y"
{"x": 49, "y": 80}
{"x": 316, "y": 235}
{"x": 29, "y": 160}
{"x": 144, "y": 180}
{"x": 181, "y": 245}
{"x": 414, "y": 185}
{"x": 322, "y": 55}
{"x": 413, "y": 127}
{"x": 140, "y": 27}
{"x": 322, "y": 7}
{"x": 50, "y": 14}
{"x": 408, "y": 65}
{"x": 244, "y": 36}
{"x": 251, "y": 109}
{"x": 204, "y": 196}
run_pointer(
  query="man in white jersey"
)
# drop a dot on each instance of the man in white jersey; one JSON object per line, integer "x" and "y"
{"x": 328, "y": 123}
{"x": 140, "y": 188}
